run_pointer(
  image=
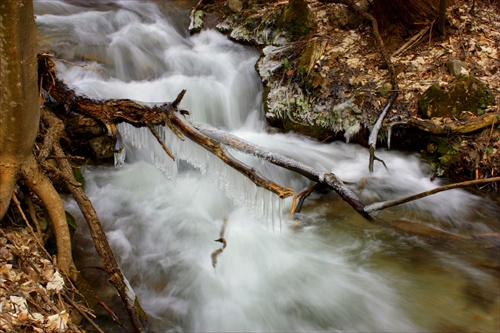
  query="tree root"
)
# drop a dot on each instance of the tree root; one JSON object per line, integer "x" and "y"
{"x": 38, "y": 182}
{"x": 101, "y": 244}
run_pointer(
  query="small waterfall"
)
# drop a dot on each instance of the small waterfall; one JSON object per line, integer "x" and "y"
{"x": 327, "y": 269}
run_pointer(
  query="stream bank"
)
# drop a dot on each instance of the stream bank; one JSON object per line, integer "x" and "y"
{"x": 324, "y": 77}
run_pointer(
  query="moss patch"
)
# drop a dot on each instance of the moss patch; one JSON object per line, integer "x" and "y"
{"x": 467, "y": 93}
{"x": 297, "y": 19}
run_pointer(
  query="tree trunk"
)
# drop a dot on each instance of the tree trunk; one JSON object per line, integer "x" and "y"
{"x": 19, "y": 105}
{"x": 408, "y": 14}
{"x": 20, "y": 120}
{"x": 442, "y": 16}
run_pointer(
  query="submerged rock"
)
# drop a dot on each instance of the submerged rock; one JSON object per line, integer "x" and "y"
{"x": 466, "y": 93}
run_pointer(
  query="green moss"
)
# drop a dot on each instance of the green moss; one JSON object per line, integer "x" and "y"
{"x": 434, "y": 97}
{"x": 297, "y": 19}
{"x": 385, "y": 89}
{"x": 77, "y": 173}
{"x": 306, "y": 56}
{"x": 467, "y": 93}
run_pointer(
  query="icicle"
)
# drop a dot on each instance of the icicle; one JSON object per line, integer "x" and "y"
{"x": 119, "y": 158}
{"x": 260, "y": 203}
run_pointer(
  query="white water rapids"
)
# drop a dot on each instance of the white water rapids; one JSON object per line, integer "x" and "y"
{"x": 325, "y": 270}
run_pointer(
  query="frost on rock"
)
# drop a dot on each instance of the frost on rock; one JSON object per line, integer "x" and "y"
{"x": 196, "y": 21}
{"x": 283, "y": 103}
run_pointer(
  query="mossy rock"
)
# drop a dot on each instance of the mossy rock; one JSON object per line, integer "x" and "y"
{"x": 297, "y": 19}
{"x": 466, "y": 93}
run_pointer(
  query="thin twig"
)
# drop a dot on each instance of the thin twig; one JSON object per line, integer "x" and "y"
{"x": 31, "y": 209}
{"x": 386, "y": 204}
{"x": 18, "y": 205}
{"x": 84, "y": 315}
{"x": 222, "y": 240}
{"x": 160, "y": 141}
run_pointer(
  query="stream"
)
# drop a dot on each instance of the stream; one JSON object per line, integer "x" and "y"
{"x": 325, "y": 269}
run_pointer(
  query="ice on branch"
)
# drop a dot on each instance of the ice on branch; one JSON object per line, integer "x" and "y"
{"x": 263, "y": 204}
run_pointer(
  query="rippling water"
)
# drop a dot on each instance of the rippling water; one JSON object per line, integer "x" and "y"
{"x": 326, "y": 269}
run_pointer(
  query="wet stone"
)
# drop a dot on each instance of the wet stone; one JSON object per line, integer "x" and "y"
{"x": 455, "y": 67}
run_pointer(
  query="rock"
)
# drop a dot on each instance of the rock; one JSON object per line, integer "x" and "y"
{"x": 235, "y": 5}
{"x": 455, "y": 67}
{"x": 82, "y": 127}
{"x": 102, "y": 147}
{"x": 345, "y": 18}
{"x": 466, "y": 93}
{"x": 196, "y": 23}
{"x": 297, "y": 19}
{"x": 385, "y": 89}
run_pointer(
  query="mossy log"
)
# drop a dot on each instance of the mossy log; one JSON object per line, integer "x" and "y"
{"x": 437, "y": 127}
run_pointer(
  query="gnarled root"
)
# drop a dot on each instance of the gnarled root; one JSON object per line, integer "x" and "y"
{"x": 36, "y": 180}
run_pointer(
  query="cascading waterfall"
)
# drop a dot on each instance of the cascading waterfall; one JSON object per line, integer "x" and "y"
{"x": 326, "y": 270}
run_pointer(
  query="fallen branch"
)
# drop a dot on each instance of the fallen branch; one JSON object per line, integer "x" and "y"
{"x": 386, "y": 204}
{"x": 327, "y": 178}
{"x": 412, "y": 41}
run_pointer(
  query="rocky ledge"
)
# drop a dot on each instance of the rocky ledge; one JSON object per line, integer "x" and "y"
{"x": 324, "y": 76}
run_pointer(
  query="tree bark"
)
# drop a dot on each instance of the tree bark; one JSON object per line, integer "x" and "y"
{"x": 19, "y": 105}
{"x": 453, "y": 128}
{"x": 42, "y": 186}
{"x": 443, "y": 4}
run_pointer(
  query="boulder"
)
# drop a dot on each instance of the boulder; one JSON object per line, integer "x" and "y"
{"x": 297, "y": 19}
{"x": 235, "y": 5}
{"x": 466, "y": 93}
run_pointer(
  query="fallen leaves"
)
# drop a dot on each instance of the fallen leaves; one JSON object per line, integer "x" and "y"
{"x": 30, "y": 288}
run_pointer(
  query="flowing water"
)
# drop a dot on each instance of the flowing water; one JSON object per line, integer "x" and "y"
{"x": 326, "y": 269}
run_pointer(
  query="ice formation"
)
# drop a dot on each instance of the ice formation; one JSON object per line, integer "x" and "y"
{"x": 263, "y": 204}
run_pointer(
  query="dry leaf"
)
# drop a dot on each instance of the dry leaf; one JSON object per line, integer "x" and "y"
{"x": 58, "y": 322}
{"x": 56, "y": 282}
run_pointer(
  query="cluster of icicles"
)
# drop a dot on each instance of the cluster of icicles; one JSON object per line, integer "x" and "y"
{"x": 263, "y": 204}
